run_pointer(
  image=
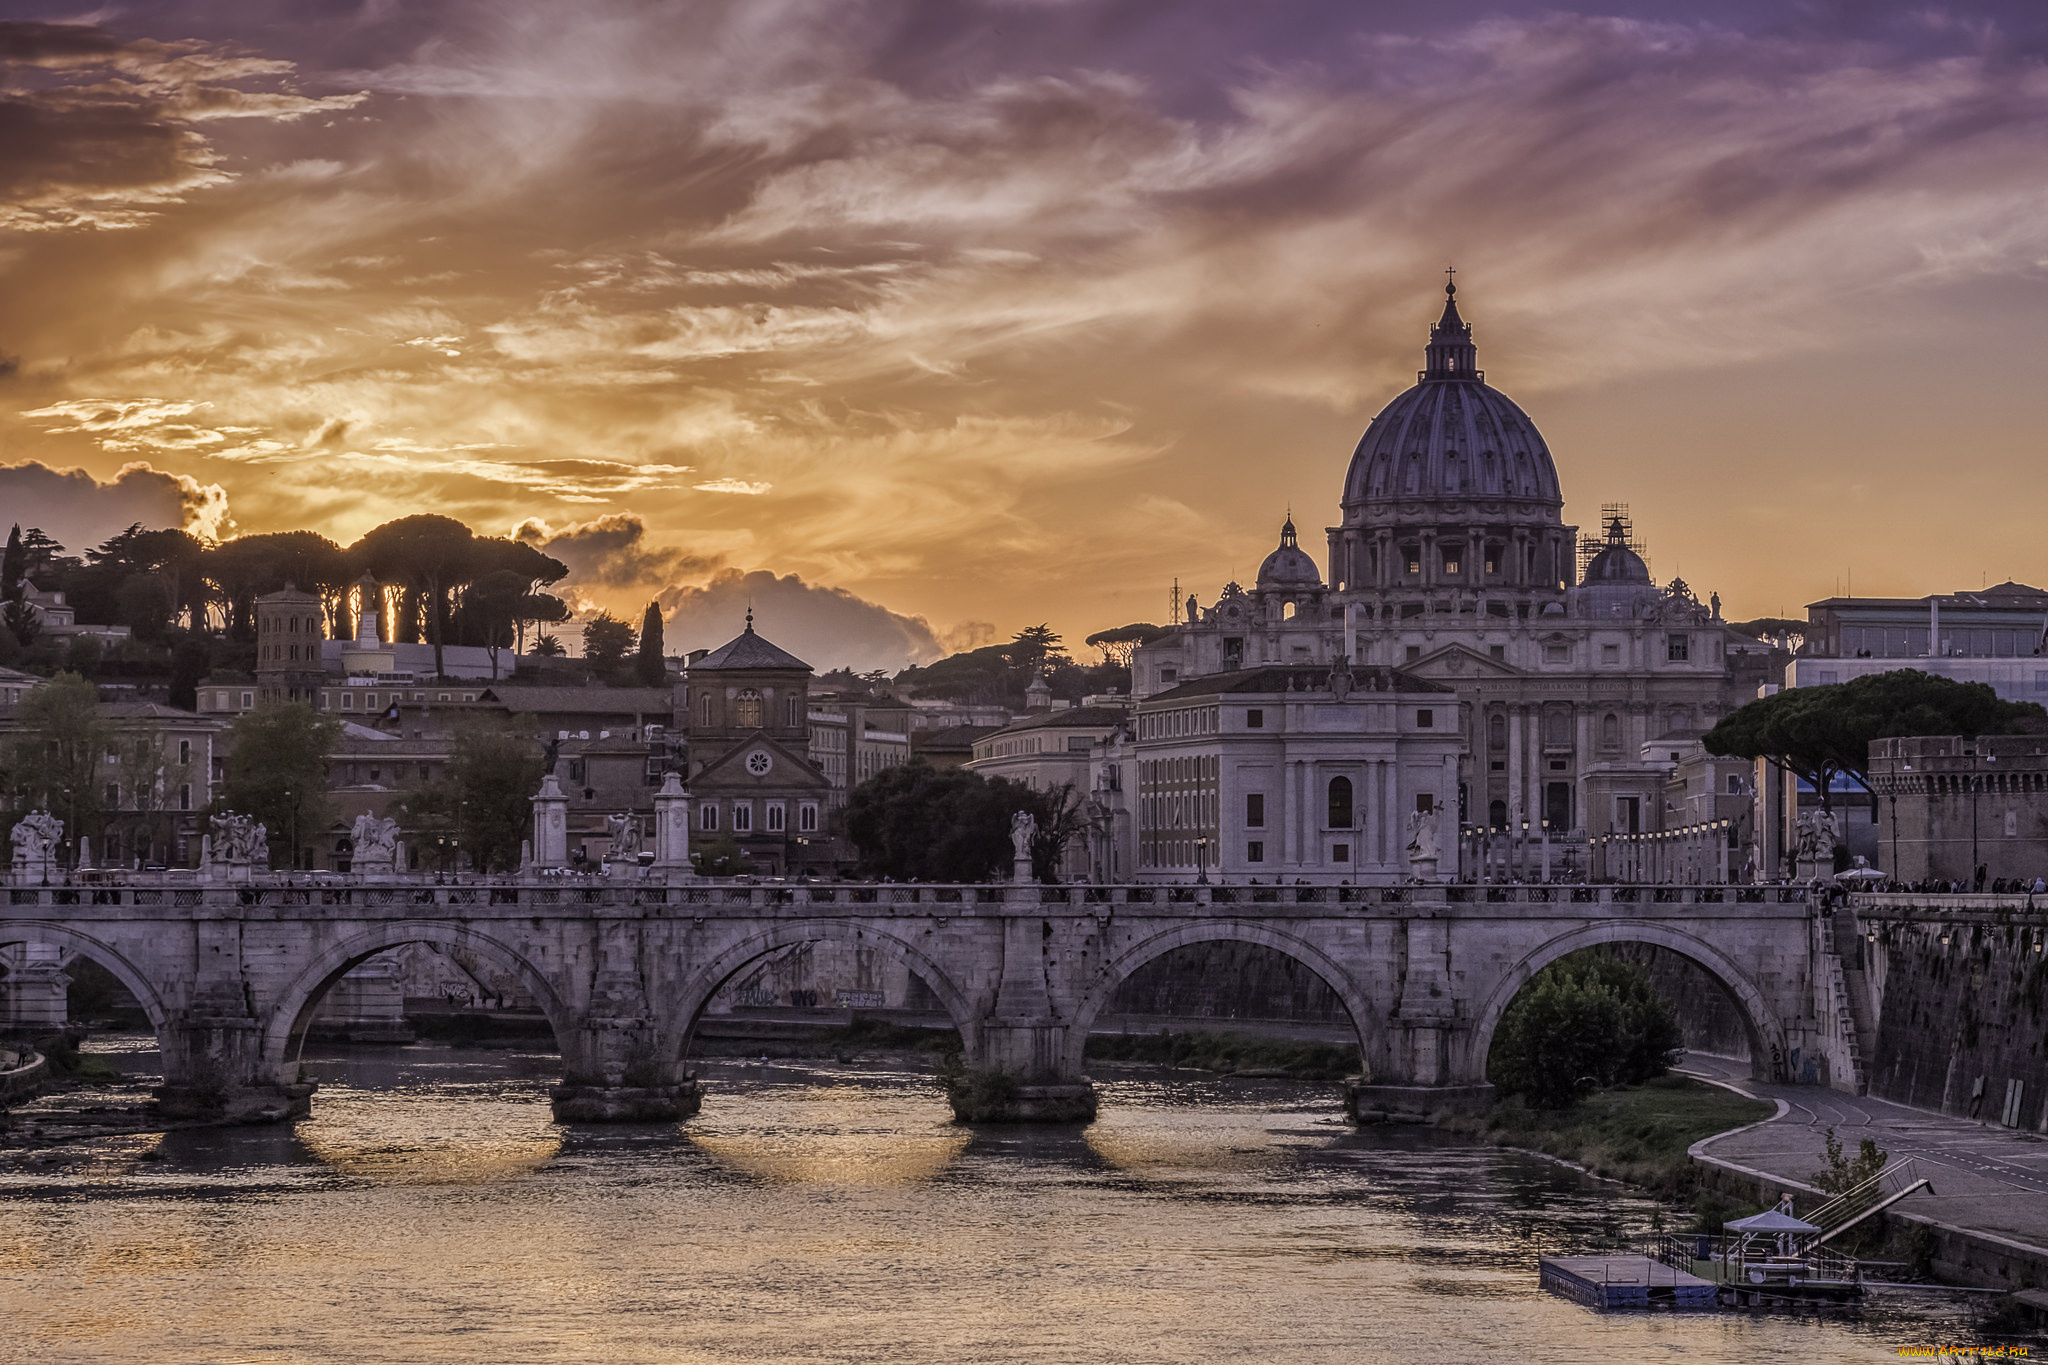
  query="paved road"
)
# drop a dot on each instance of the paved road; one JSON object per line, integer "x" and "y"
{"x": 1985, "y": 1177}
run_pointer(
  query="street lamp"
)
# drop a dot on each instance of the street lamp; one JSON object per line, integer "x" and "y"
{"x": 1202, "y": 860}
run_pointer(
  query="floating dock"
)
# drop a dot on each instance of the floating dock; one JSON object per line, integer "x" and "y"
{"x": 1622, "y": 1282}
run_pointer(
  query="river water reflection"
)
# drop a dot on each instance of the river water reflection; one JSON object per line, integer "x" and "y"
{"x": 430, "y": 1211}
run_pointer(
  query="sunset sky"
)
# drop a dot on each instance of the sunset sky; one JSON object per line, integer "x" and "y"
{"x": 915, "y": 324}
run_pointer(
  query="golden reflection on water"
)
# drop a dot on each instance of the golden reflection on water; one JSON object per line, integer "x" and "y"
{"x": 1238, "y": 1142}
{"x": 385, "y": 1144}
{"x": 839, "y": 1138}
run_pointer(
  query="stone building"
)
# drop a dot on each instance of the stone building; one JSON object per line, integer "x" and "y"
{"x": 1947, "y": 805}
{"x": 747, "y": 705}
{"x": 1451, "y": 562}
{"x": 1291, "y": 772}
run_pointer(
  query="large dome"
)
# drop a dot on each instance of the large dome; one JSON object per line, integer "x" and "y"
{"x": 1451, "y": 437}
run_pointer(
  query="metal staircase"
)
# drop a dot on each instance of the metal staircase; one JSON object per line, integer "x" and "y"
{"x": 1853, "y": 992}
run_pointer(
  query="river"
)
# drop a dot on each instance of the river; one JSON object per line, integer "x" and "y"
{"x": 430, "y": 1211}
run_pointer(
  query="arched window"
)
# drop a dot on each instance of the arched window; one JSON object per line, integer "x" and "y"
{"x": 1340, "y": 803}
{"x": 1677, "y": 720}
{"x": 1497, "y": 731}
{"x": 1287, "y": 611}
{"x": 705, "y": 708}
{"x": 1557, "y": 728}
{"x": 1610, "y": 731}
{"x": 746, "y": 711}
{"x": 1497, "y": 815}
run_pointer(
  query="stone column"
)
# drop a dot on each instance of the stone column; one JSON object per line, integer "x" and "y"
{"x": 1426, "y": 1075}
{"x": 672, "y": 825}
{"x": 1515, "y": 764}
{"x": 550, "y": 824}
{"x": 1020, "y": 1073}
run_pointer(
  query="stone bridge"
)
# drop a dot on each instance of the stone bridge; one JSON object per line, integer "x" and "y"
{"x": 232, "y": 975}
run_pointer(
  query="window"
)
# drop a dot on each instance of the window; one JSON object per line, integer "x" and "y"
{"x": 1414, "y": 558}
{"x": 248, "y": 700}
{"x": 1255, "y": 719}
{"x": 1499, "y": 652}
{"x": 775, "y": 817}
{"x": 1497, "y": 731}
{"x": 1827, "y": 678}
{"x": 1735, "y": 784}
{"x": 1425, "y": 720}
{"x": 370, "y": 702}
{"x": 1255, "y": 810}
{"x": 1557, "y": 654}
{"x": 1078, "y": 744}
{"x": 348, "y": 701}
{"x": 185, "y": 796}
{"x": 1414, "y": 651}
{"x": 1287, "y": 611}
{"x": 1678, "y": 648}
{"x": 1167, "y": 675}
{"x": 184, "y": 751}
{"x": 1340, "y": 803}
{"x": 746, "y": 711}
{"x": 707, "y": 816}
{"x": 113, "y": 754}
{"x": 1255, "y": 851}
{"x": 1610, "y": 731}
{"x": 794, "y": 708}
{"x": 1340, "y": 853}
{"x": 1450, "y": 561}
{"x": 742, "y": 817}
{"x": 1425, "y": 803}
{"x": 807, "y": 818}
{"x": 113, "y": 796}
{"x": 1610, "y": 654}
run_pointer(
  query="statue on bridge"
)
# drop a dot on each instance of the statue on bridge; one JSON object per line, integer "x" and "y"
{"x": 625, "y": 832}
{"x": 375, "y": 842}
{"x": 239, "y": 840}
{"x": 1023, "y": 832}
{"x": 1819, "y": 834}
{"x": 35, "y": 843}
{"x": 1423, "y": 851}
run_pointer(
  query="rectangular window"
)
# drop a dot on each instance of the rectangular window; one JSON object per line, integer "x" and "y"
{"x": 1167, "y": 675}
{"x": 1827, "y": 678}
{"x": 1255, "y": 810}
{"x": 1414, "y": 653}
{"x": 807, "y": 818}
{"x": 1499, "y": 652}
{"x": 1678, "y": 648}
{"x": 775, "y": 816}
{"x": 1425, "y": 720}
{"x": 1340, "y": 853}
{"x": 1255, "y": 719}
{"x": 1255, "y": 852}
{"x": 184, "y": 751}
{"x": 348, "y": 701}
{"x": 1424, "y": 802}
{"x": 707, "y": 816}
{"x": 185, "y": 796}
{"x": 1734, "y": 784}
{"x": 1610, "y": 654}
{"x": 370, "y": 704}
{"x": 742, "y": 817}
{"x": 1557, "y": 654}
{"x": 113, "y": 796}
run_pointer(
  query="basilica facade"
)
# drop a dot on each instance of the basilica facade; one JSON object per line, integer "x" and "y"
{"x": 1451, "y": 565}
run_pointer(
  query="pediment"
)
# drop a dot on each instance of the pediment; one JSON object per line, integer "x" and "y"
{"x": 1459, "y": 661}
{"x": 788, "y": 767}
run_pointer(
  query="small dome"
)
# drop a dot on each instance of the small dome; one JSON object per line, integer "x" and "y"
{"x": 1617, "y": 563}
{"x": 1289, "y": 566}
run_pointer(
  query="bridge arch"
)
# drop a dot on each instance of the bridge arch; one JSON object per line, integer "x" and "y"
{"x": 1116, "y": 969}
{"x": 1766, "y": 1034}
{"x": 300, "y": 999}
{"x": 100, "y": 951}
{"x": 679, "y": 1025}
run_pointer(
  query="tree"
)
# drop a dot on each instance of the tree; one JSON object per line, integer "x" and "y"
{"x": 1033, "y": 647}
{"x": 649, "y": 667}
{"x": 606, "y": 642}
{"x": 1056, "y": 817}
{"x": 1119, "y": 644}
{"x": 13, "y": 566}
{"x": 1845, "y": 1173}
{"x": 495, "y": 771}
{"x": 430, "y": 555}
{"x": 1817, "y": 733}
{"x": 1589, "y": 1016}
{"x": 277, "y": 772}
{"x": 247, "y": 567}
{"x": 56, "y": 759}
{"x": 914, "y": 822}
{"x": 548, "y": 647}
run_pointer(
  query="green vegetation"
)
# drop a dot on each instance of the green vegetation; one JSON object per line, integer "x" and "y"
{"x": 278, "y": 774}
{"x": 1589, "y": 1019}
{"x": 1844, "y": 1172}
{"x": 650, "y": 669}
{"x": 1637, "y": 1133}
{"x": 1232, "y": 1054}
{"x": 998, "y": 674}
{"x": 1818, "y": 733}
{"x": 915, "y": 822}
{"x": 976, "y": 1094}
{"x": 482, "y": 805}
{"x": 54, "y": 761}
{"x": 606, "y": 642}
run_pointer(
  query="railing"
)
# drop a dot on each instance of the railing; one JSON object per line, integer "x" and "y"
{"x": 506, "y": 893}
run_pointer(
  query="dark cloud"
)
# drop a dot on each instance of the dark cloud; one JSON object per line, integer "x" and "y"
{"x": 827, "y": 627}
{"x": 612, "y": 552}
{"x": 80, "y": 510}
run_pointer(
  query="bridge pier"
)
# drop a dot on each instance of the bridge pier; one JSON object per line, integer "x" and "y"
{"x": 1021, "y": 1077}
{"x": 213, "y": 1070}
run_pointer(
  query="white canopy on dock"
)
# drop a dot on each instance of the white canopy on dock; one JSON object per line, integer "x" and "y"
{"x": 1770, "y": 1221}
